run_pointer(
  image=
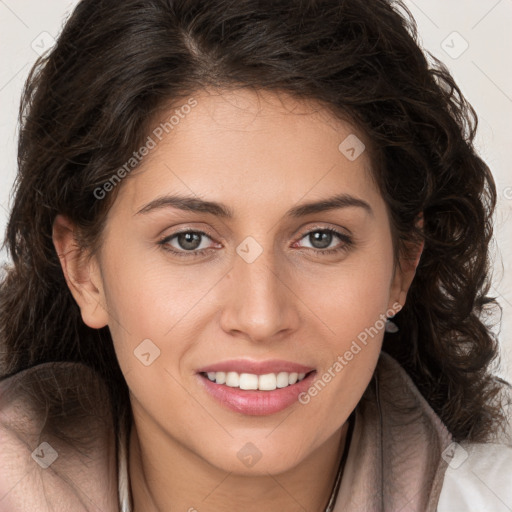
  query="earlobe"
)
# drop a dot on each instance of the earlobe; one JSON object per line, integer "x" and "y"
{"x": 81, "y": 273}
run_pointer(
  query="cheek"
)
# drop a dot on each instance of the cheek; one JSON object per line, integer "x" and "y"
{"x": 134, "y": 296}
{"x": 138, "y": 294}
{"x": 351, "y": 295}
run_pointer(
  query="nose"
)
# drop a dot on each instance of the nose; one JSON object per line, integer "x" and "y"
{"x": 260, "y": 304}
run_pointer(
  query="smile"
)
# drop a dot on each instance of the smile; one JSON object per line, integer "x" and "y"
{"x": 256, "y": 388}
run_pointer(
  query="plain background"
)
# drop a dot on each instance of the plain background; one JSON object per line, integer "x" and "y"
{"x": 472, "y": 37}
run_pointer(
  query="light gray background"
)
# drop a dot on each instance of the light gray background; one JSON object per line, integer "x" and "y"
{"x": 482, "y": 70}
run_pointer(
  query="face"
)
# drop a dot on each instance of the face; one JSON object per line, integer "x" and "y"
{"x": 271, "y": 293}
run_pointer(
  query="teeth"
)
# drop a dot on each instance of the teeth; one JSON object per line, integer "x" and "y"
{"x": 232, "y": 380}
{"x": 267, "y": 382}
{"x": 248, "y": 381}
{"x": 282, "y": 380}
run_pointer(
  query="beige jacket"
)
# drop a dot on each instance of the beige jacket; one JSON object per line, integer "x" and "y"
{"x": 64, "y": 458}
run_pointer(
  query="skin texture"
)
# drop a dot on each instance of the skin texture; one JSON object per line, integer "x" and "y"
{"x": 260, "y": 154}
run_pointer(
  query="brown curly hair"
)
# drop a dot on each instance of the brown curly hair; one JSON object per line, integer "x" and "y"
{"x": 90, "y": 102}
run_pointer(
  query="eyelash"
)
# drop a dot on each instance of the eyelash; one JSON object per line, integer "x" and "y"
{"x": 348, "y": 242}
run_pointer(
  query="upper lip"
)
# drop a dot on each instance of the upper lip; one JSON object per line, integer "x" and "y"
{"x": 256, "y": 367}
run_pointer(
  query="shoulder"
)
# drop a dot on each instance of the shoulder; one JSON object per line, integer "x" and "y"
{"x": 478, "y": 477}
{"x": 57, "y": 440}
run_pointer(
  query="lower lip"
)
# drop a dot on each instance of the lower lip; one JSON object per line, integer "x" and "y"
{"x": 255, "y": 402}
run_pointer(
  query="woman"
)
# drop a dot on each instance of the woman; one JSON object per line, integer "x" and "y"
{"x": 250, "y": 268}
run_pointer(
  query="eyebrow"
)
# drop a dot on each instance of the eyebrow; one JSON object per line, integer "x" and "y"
{"x": 193, "y": 204}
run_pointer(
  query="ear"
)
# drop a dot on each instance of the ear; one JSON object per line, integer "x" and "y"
{"x": 406, "y": 269}
{"x": 82, "y": 273}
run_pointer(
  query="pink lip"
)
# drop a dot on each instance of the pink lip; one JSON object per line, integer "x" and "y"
{"x": 255, "y": 402}
{"x": 256, "y": 367}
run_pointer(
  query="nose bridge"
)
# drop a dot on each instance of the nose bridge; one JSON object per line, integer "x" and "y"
{"x": 260, "y": 303}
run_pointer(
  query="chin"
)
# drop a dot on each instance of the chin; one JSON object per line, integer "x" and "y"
{"x": 255, "y": 458}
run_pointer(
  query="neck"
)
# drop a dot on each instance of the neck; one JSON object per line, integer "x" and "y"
{"x": 165, "y": 475}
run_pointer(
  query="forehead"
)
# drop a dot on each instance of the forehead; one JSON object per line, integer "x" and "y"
{"x": 250, "y": 148}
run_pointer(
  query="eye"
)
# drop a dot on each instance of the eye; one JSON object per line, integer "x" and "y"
{"x": 187, "y": 243}
{"x": 321, "y": 239}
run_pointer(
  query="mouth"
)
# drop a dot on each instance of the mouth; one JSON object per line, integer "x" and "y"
{"x": 252, "y": 388}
